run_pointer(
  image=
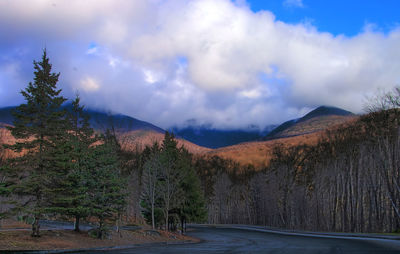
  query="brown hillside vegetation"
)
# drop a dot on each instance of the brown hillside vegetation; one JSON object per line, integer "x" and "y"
{"x": 315, "y": 124}
{"x": 306, "y": 133}
{"x": 6, "y": 138}
{"x": 139, "y": 139}
{"x": 130, "y": 141}
{"x": 259, "y": 153}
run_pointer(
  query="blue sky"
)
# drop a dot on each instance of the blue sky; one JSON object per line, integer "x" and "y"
{"x": 347, "y": 17}
{"x": 225, "y": 63}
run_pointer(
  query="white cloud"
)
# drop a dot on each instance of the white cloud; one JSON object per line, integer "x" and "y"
{"x": 239, "y": 68}
{"x": 89, "y": 84}
{"x": 293, "y": 3}
{"x": 149, "y": 76}
{"x": 251, "y": 94}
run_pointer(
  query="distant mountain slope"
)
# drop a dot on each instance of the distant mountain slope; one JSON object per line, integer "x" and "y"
{"x": 98, "y": 120}
{"x": 259, "y": 153}
{"x": 6, "y": 116}
{"x": 122, "y": 123}
{"x": 139, "y": 139}
{"x": 215, "y": 138}
{"x": 316, "y": 120}
{"x": 131, "y": 132}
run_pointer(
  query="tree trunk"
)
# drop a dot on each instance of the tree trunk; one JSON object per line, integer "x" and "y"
{"x": 101, "y": 229}
{"x": 76, "y": 224}
{"x": 166, "y": 221}
{"x": 153, "y": 224}
{"x": 35, "y": 227}
{"x": 182, "y": 228}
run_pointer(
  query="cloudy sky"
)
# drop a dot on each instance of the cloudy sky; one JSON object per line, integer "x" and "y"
{"x": 227, "y": 63}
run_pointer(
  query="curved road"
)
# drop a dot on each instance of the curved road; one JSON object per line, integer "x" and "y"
{"x": 253, "y": 240}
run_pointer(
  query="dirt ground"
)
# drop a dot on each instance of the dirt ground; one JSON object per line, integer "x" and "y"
{"x": 20, "y": 239}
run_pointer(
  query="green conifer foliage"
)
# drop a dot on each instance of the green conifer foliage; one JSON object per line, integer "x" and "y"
{"x": 107, "y": 186}
{"x": 68, "y": 194}
{"x": 7, "y": 182}
{"x": 179, "y": 195}
{"x": 37, "y": 126}
{"x": 192, "y": 207}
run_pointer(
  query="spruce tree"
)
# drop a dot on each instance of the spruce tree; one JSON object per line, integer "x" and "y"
{"x": 37, "y": 125}
{"x": 171, "y": 185}
{"x": 107, "y": 186}
{"x": 192, "y": 208}
{"x": 170, "y": 177}
{"x": 70, "y": 184}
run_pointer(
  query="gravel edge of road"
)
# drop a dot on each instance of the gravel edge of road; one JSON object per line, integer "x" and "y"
{"x": 304, "y": 233}
{"x": 365, "y": 236}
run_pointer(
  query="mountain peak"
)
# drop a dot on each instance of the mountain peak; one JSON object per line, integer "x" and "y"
{"x": 325, "y": 111}
{"x": 316, "y": 120}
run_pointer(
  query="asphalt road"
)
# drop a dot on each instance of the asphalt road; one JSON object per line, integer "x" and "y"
{"x": 235, "y": 240}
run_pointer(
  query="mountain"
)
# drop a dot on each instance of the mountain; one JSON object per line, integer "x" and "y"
{"x": 6, "y": 116}
{"x": 316, "y": 120}
{"x": 305, "y": 130}
{"x": 131, "y": 132}
{"x": 215, "y": 138}
{"x": 98, "y": 120}
{"x": 259, "y": 153}
{"x": 139, "y": 139}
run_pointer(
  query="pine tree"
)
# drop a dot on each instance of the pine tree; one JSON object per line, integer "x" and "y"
{"x": 69, "y": 192}
{"x": 37, "y": 125}
{"x": 192, "y": 207}
{"x": 172, "y": 174}
{"x": 107, "y": 187}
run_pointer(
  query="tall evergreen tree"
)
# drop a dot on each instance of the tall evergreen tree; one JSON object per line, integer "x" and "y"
{"x": 70, "y": 184}
{"x": 171, "y": 176}
{"x": 37, "y": 125}
{"x": 107, "y": 186}
{"x": 192, "y": 208}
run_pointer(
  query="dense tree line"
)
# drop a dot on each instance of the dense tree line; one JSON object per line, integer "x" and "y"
{"x": 348, "y": 182}
{"x": 171, "y": 189}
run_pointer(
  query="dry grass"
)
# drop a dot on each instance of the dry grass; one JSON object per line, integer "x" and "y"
{"x": 68, "y": 239}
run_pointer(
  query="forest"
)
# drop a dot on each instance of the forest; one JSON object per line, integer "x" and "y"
{"x": 348, "y": 182}
{"x": 63, "y": 169}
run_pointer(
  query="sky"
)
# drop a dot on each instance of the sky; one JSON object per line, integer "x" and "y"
{"x": 225, "y": 63}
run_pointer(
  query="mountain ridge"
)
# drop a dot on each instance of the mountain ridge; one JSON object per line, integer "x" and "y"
{"x": 315, "y": 120}
{"x": 209, "y": 137}
{"x": 99, "y": 120}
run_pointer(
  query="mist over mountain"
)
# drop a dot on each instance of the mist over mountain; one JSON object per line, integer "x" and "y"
{"x": 207, "y": 136}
